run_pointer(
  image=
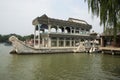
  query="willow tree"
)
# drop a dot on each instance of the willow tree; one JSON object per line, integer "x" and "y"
{"x": 108, "y": 11}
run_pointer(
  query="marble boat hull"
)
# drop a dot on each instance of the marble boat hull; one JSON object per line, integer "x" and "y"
{"x": 20, "y": 47}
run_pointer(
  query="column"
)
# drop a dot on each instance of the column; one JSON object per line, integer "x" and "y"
{"x": 70, "y": 42}
{"x": 79, "y": 41}
{"x": 79, "y": 31}
{"x": 84, "y": 31}
{"x": 39, "y": 35}
{"x": 57, "y": 42}
{"x": 74, "y": 42}
{"x": 74, "y": 30}
{"x": 64, "y": 29}
{"x": 49, "y": 28}
{"x": 102, "y": 42}
{"x": 89, "y": 32}
{"x": 64, "y": 42}
{"x": 34, "y": 36}
{"x": 70, "y": 30}
{"x": 49, "y": 42}
{"x": 57, "y": 28}
{"x": 43, "y": 42}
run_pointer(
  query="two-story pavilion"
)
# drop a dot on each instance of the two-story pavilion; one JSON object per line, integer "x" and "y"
{"x": 55, "y": 33}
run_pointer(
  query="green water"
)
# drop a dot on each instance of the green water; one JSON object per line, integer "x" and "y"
{"x": 58, "y": 66}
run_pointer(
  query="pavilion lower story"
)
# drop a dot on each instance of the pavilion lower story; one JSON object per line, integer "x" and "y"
{"x": 60, "y": 40}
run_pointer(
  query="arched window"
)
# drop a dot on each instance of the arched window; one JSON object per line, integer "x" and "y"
{"x": 53, "y": 30}
{"x": 62, "y": 29}
{"x": 44, "y": 26}
{"x": 68, "y": 29}
{"x": 59, "y": 30}
{"x": 46, "y": 30}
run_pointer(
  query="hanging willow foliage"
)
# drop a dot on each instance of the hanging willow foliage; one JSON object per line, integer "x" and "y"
{"x": 108, "y": 11}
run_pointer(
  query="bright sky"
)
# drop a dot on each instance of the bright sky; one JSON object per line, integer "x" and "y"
{"x": 16, "y": 15}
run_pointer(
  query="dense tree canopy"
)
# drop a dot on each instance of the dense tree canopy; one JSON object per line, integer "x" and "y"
{"x": 5, "y": 38}
{"x": 108, "y": 11}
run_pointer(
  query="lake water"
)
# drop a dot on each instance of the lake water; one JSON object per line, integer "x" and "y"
{"x": 80, "y": 66}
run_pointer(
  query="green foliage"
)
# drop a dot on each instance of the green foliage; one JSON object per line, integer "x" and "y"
{"x": 4, "y": 38}
{"x": 28, "y": 37}
{"x": 108, "y": 11}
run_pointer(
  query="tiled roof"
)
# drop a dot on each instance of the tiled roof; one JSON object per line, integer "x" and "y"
{"x": 44, "y": 19}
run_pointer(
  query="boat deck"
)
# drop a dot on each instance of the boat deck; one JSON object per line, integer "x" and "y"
{"x": 110, "y": 50}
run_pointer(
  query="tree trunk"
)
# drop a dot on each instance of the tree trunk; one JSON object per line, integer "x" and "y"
{"x": 115, "y": 30}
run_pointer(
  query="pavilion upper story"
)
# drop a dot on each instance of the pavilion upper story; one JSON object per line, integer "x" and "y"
{"x": 71, "y": 26}
{"x": 50, "y": 32}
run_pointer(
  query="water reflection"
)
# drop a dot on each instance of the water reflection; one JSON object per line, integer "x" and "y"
{"x": 111, "y": 66}
{"x": 59, "y": 67}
